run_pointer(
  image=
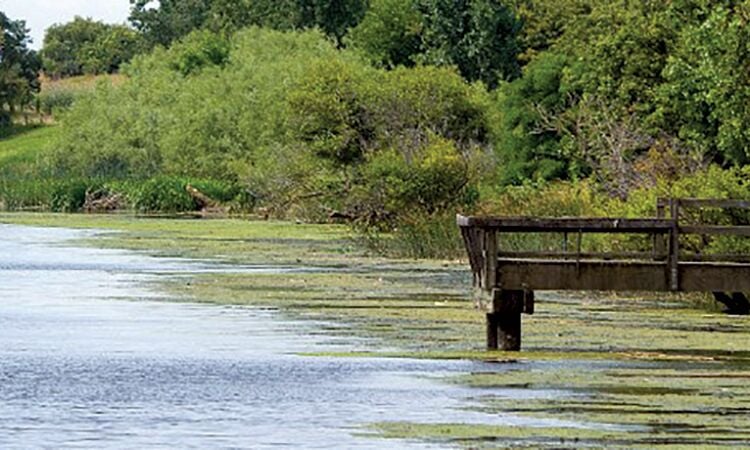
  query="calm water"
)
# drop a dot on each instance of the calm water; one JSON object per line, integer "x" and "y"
{"x": 89, "y": 357}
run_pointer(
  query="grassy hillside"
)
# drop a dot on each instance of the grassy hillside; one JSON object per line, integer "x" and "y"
{"x": 23, "y": 145}
{"x": 59, "y": 95}
{"x": 80, "y": 83}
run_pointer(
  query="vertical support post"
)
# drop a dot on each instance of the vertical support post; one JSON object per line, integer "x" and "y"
{"x": 504, "y": 322}
{"x": 509, "y": 327}
{"x": 674, "y": 246}
{"x": 578, "y": 252}
{"x": 492, "y": 331}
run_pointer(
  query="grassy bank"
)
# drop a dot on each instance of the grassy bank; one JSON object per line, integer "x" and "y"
{"x": 639, "y": 371}
{"x": 22, "y": 145}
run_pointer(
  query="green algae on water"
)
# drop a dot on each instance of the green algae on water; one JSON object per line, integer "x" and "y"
{"x": 635, "y": 371}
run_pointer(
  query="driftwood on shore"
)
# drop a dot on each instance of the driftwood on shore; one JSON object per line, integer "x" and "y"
{"x": 101, "y": 200}
{"x": 205, "y": 204}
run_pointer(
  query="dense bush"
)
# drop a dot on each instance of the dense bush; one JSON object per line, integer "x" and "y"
{"x": 296, "y": 121}
{"x": 162, "y": 194}
{"x": 54, "y": 101}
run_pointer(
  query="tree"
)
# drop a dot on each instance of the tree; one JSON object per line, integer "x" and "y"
{"x": 390, "y": 34}
{"x": 706, "y": 93}
{"x": 334, "y": 17}
{"x": 621, "y": 48}
{"x": 19, "y": 67}
{"x": 530, "y": 146}
{"x": 545, "y": 21}
{"x": 87, "y": 46}
{"x": 480, "y": 37}
{"x": 113, "y": 48}
{"x": 587, "y": 100}
{"x": 169, "y": 20}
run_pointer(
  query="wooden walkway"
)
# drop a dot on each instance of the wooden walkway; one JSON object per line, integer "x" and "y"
{"x": 506, "y": 280}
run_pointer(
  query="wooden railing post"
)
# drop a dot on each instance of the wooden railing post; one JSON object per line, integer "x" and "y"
{"x": 674, "y": 246}
{"x": 659, "y": 239}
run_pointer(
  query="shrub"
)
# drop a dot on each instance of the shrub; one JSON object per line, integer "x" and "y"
{"x": 433, "y": 180}
{"x": 198, "y": 50}
{"x": 20, "y": 194}
{"x": 70, "y": 195}
{"x": 162, "y": 194}
{"x": 53, "y": 101}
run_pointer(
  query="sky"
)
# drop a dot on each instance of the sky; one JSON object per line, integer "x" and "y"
{"x": 40, "y": 14}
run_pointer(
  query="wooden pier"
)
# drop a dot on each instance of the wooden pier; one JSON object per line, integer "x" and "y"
{"x": 506, "y": 280}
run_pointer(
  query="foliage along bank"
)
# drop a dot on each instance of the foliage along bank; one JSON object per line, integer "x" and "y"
{"x": 421, "y": 108}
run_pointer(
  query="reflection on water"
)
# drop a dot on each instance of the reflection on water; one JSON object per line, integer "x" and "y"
{"x": 88, "y": 359}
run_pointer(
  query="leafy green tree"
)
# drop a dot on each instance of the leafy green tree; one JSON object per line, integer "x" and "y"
{"x": 113, "y": 48}
{"x": 390, "y": 34}
{"x": 19, "y": 67}
{"x": 705, "y": 97}
{"x": 530, "y": 144}
{"x": 169, "y": 20}
{"x": 334, "y": 17}
{"x": 621, "y": 49}
{"x": 545, "y": 22}
{"x": 588, "y": 100}
{"x": 88, "y": 46}
{"x": 480, "y": 37}
{"x": 63, "y": 50}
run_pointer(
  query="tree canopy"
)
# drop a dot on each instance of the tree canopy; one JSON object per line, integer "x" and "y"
{"x": 477, "y": 36}
{"x": 86, "y": 46}
{"x": 169, "y": 20}
{"x": 19, "y": 67}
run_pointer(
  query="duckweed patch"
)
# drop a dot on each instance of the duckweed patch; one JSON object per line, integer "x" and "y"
{"x": 658, "y": 403}
{"x": 488, "y": 436}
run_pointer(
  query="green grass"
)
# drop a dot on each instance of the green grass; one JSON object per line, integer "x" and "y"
{"x": 24, "y": 145}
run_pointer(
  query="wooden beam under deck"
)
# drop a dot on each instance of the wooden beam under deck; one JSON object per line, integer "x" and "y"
{"x": 608, "y": 275}
{"x": 714, "y": 277}
{"x": 561, "y": 275}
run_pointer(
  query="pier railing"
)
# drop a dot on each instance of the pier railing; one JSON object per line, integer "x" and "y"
{"x": 506, "y": 279}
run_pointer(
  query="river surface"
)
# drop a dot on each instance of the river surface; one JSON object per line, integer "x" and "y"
{"x": 91, "y": 356}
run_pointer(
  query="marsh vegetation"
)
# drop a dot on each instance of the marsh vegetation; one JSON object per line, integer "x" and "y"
{"x": 388, "y": 115}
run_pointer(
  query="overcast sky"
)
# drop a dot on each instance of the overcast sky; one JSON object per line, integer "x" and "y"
{"x": 40, "y": 14}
